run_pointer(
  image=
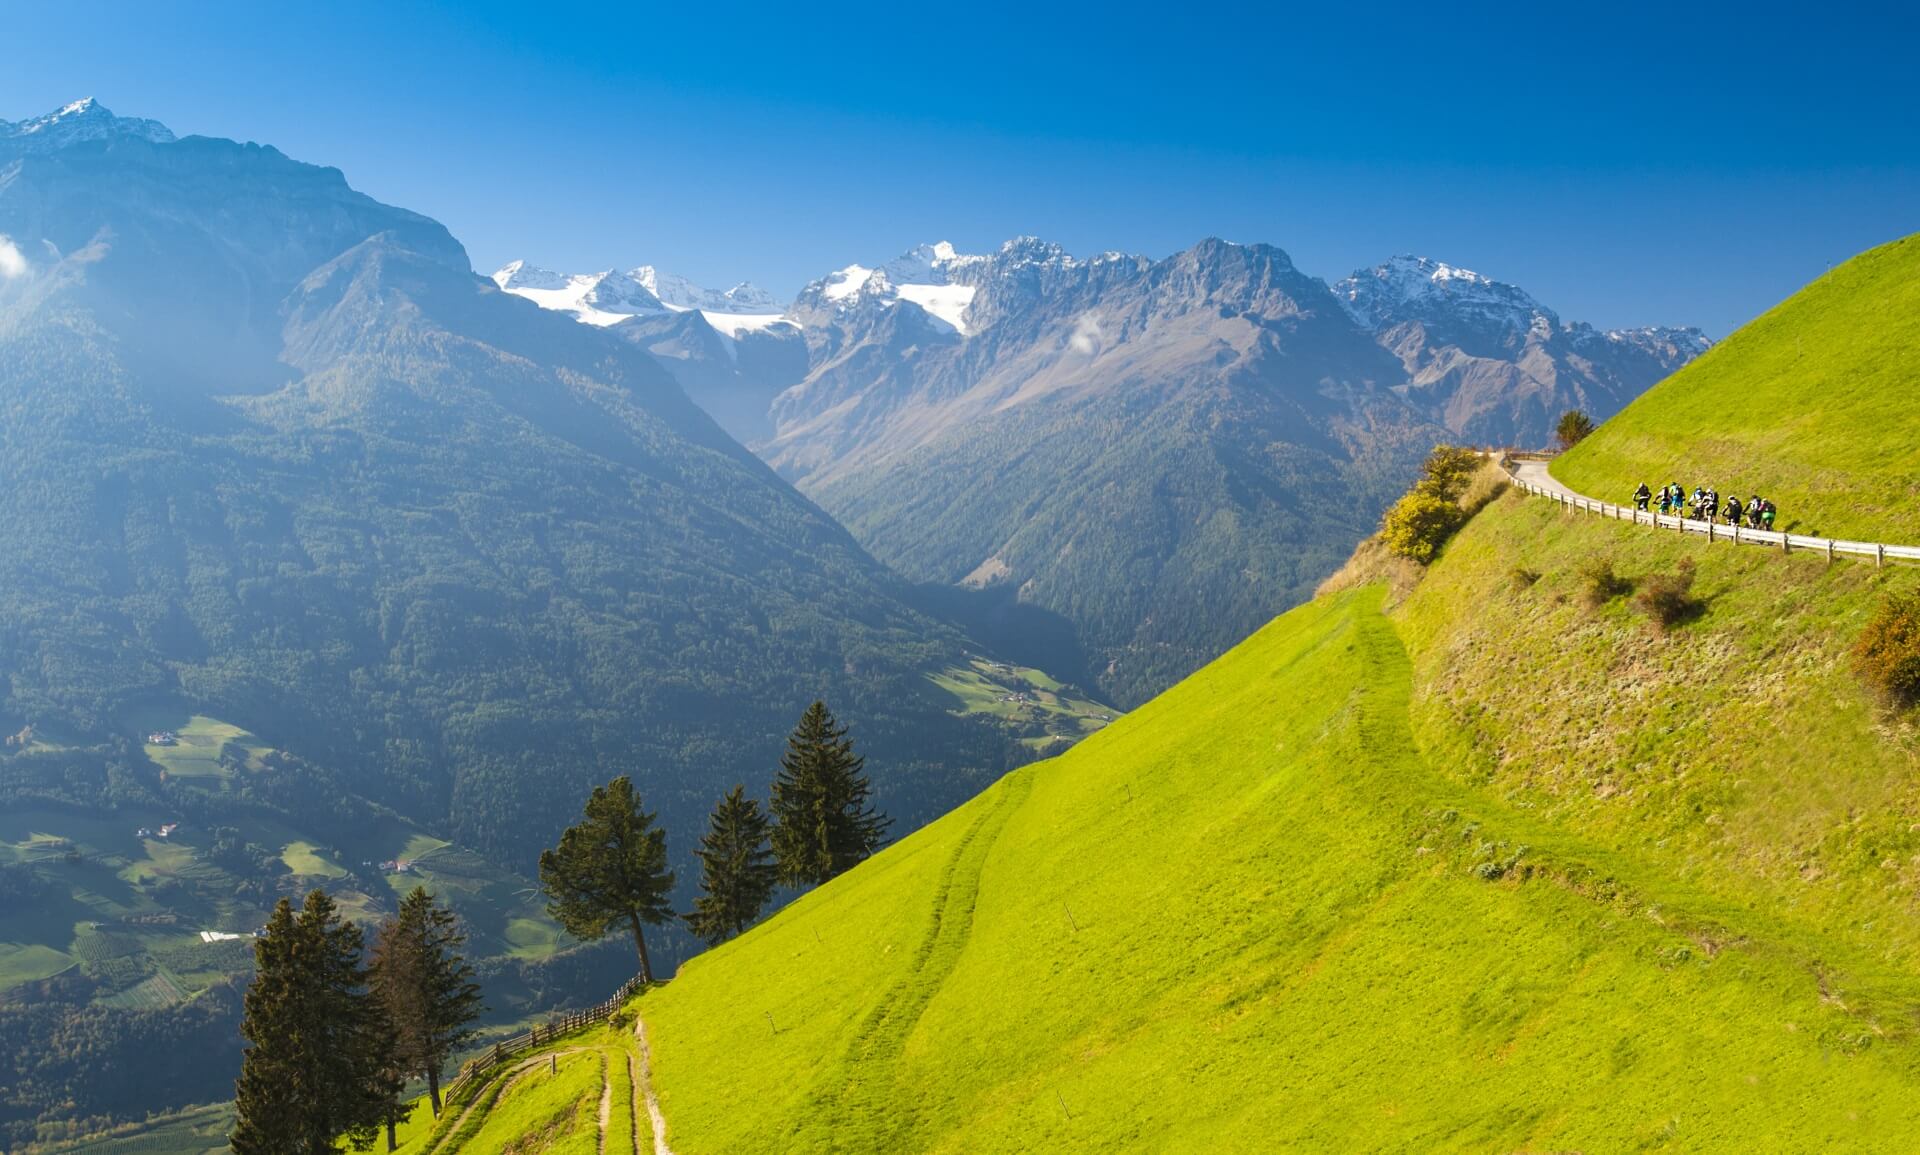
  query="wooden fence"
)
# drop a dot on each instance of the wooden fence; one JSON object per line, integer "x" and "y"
{"x": 1713, "y": 531}
{"x": 473, "y": 1069}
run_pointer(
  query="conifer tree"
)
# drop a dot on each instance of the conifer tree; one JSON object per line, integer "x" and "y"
{"x": 610, "y": 869}
{"x": 737, "y": 874}
{"x": 1572, "y": 428}
{"x": 823, "y": 822}
{"x": 426, "y": 986}
{"x": 317, "y": 1066}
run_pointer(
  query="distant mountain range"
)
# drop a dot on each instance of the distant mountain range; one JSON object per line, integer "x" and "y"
{"x": 1167, "y": 453}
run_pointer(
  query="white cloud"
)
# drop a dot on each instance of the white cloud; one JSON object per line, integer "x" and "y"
{"x": 12, "y": 262}
{"x": 1087, "y": 335}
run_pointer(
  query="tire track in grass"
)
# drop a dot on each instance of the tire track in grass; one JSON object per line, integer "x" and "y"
{"x": 634, "y": 1098}
{"x": 857, "y": 1104}
{"x": 606, "y": 1103}
{"x": 654, "y": 1115}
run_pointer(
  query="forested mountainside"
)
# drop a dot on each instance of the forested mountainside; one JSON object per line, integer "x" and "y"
{"x": 328, "y": 560}
{"x": 1490, "y": 855}
{"x": 1165, "y": 453}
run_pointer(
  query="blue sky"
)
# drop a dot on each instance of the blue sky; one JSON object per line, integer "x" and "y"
{"x": 1629, "y": 165}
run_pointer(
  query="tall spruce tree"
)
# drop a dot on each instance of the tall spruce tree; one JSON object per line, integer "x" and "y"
{"x": 426, "y": 986}
{"x": 610, "y": 869}
{"x": 318, "y": 1065}
{"x": 824, "y": 825}
{"x": 737, "y": 874}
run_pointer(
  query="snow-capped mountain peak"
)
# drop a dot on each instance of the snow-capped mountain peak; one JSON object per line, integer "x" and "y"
{"x": 844, "y": 284}
{"x": 76, "y": 123}
{"x": 521, "y": 275}
{"x": 605, "y": 298}
{"x": 925, "y": 276}
{"x": 610, "y": 297}
{"x": 1412, "y": 287}
{"x": 677, "y": 292}
{"x": 1034, "y": 251}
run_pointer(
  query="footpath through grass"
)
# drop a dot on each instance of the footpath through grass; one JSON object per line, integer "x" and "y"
{"x": 549, "y": 1101}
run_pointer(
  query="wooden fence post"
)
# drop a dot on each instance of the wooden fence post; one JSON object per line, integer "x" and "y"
{"x": 1829, "y": 551}
{"x": 1879, "y": 554}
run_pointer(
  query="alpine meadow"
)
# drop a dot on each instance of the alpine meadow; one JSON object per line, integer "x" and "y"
{"x": 598, "y": 580}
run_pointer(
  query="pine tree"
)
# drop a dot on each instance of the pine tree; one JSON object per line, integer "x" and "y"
{"x": 610, "y": 868}
{"x": 823, "y": 823}
{"x": 737, "y": 875}
{"x": 318, "y": 1065}
{"x": 1572, "y": 428}
{"x": 426, "y": 986}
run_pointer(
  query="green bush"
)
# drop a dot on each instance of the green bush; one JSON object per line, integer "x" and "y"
{"x": 1667, "y": 599}
{"x": 1448, "y": 471}
{"x": 1599, "y": 584}
{"x": 1422, "y": 521}
{"x": 1419, "y": 524}
{"x": 1887, "y": 654}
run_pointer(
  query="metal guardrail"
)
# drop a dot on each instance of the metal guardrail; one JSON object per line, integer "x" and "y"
{"x": 472, "y": 1070}
{"x": 1713, "y": 531}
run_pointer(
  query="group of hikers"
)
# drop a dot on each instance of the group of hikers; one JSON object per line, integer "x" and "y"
{"x": 1705, "y": 505}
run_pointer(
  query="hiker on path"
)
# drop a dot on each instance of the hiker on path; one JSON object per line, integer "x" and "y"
{"x": 1733, "y": 509}
{"x": 1766, "y": 514}
{"x": 1641, "y": 497}
{"x": 1754, "y": 509}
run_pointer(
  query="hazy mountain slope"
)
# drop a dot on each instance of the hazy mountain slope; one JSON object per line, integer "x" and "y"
{"x": 733, "y": 375}
{"x": 731, "y": 351}
{"x": 1162, "y": 454}
{"x": 1812, "y": 404}
{"x": 1166, "y": 455}
{"x": 275, "y": 451}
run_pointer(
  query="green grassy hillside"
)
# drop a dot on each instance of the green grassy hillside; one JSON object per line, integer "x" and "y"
{"x": 1470, "y": 873}
{"x": 1812, "y": 404}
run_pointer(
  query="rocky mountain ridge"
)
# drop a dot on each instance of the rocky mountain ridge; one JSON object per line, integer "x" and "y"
{"x": 952, "y": 410}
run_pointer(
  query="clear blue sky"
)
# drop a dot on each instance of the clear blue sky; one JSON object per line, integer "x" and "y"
{"x": 1629, "y": 165}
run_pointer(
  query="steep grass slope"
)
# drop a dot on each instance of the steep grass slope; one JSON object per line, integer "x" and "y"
{"x": 1812, "y": 404}
{"x": 1468, "y": 876}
